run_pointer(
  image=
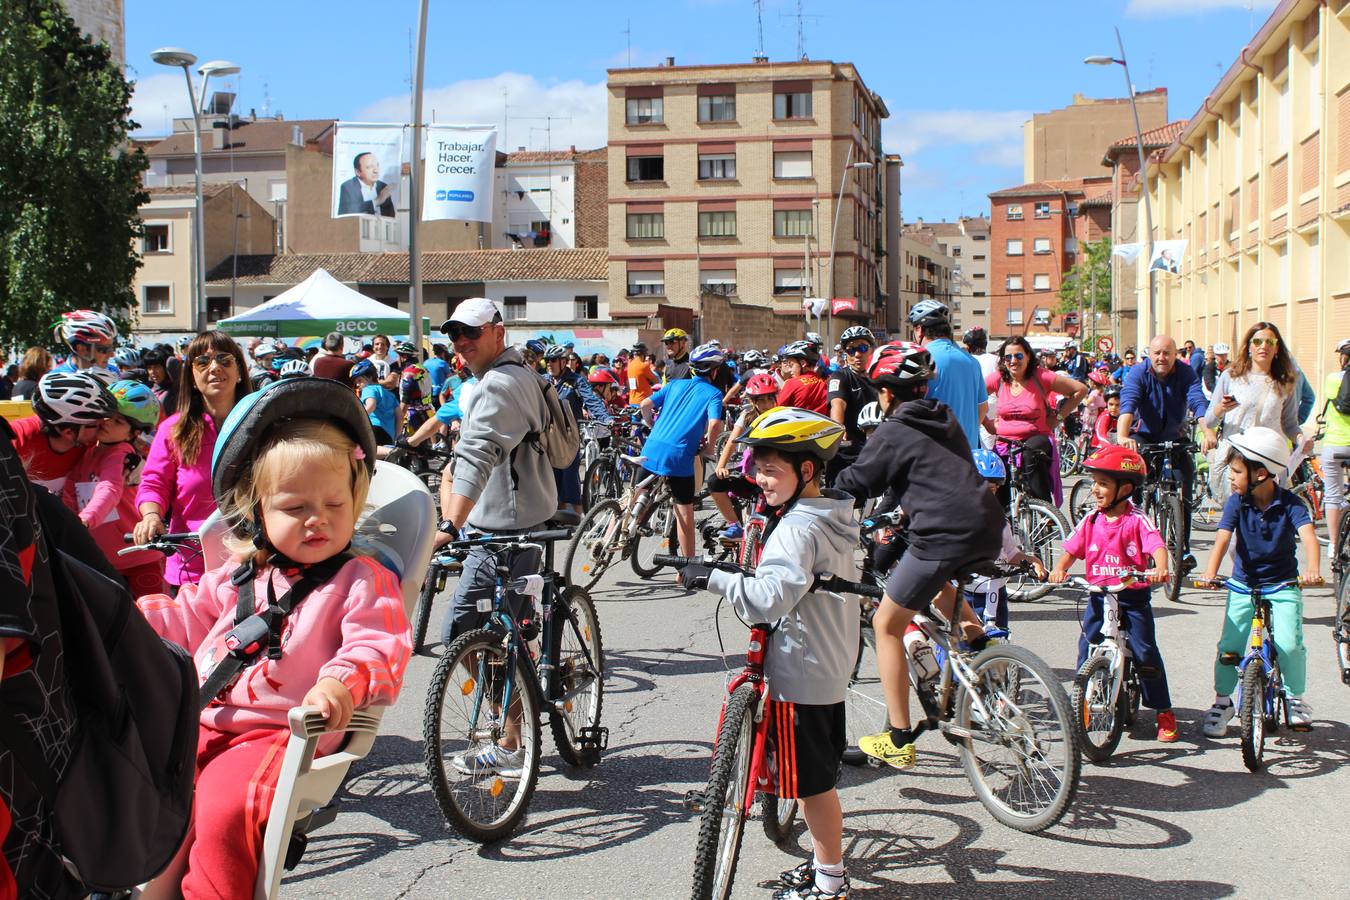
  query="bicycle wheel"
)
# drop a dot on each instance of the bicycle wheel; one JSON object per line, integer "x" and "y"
{"x": 777, "y": 816}
{"x": 722, "y": 824}
{"x": 1068, "y": 458}
{"x": 1341, "y": 552}
{"x": 431, "y": 586}
{"x": 1171, "y": 522}
{"x": 653, "y": 535}
{"x": 1340, "y": 628}
{"x": 1041, "y": 529}
{"x": 578, "y": 689}
{"x": 1080, "y": 500}
{"x": 1021, "y": 756}
{"x": 864, "y": 702}
{"x": 464, "y": 718}
{"x": 1205, "y": 507}
{"x": 1252, "y": 714}
{"x": 1097, "y": 721}
{"x": 593, "y": 482}
{"x": 750, "y": 541}
{"x": 594, "y": 545}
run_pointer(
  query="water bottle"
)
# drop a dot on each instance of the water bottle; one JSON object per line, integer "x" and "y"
{"x": 920, "y": 652}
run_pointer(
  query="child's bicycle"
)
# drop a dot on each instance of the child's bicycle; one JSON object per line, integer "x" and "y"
{"x": 743, "y": 763}
{"x": 1106, "y": 689}
{"x": 1261, "y": 695}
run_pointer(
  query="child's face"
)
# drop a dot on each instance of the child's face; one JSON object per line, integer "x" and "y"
{"x": 1103, "y": 491}
{"x": 1238, "y": 477}
{"x": 776, "y": 478}
{"x": 114, "y": 430}
{"x": 1113, "y": 406}
{"x": 764, "y": 404}
{"x": 308, "y": 512}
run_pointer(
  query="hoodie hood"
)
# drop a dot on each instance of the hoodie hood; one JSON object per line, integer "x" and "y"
{"x": 929, "y": 417}
{"x": 832, "y": 514}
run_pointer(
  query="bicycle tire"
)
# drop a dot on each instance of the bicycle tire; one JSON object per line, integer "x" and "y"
{"x": 1205, "y": 508}
{"x": 597, "y": 481}
{"x": 422, "y": 614}
{"x": 1341, "y": 552}
{"x": 581, "y": 657}
{"x": 1068, "y": 458}
{"x": 652, "y": 536}
{"x": 750, "y": 538}
{"x": 718, "y": 846}
{"x": 589, "y": 552}
{"x": 1092, "y": 707}
{"x": 1252, "y": 715}
{"x": 1172, "y": 517}
{"x": 475, "y": 652}
{"x": 778, "y": 816}
{"x": 1052, "y": 736}
{"x": 1080, "y": 500}
{"x": 1041, "y": 530}
{"x": 1340, "y": 628}
{"x": 864, "y": 713}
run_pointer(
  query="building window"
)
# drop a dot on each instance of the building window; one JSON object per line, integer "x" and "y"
{"x": 979, "y": 237}
{"x": 1040, "y": 316}
{"x": 717, "y": 167}
{"x": 792, "y": 164}
{"x": 155, "y": 239}
{"x": 1014, "y": 282}
{"x": 646, "y": 226}
{"x": 1014, "y": 212}
{"x": 1014, "y": 247}
{"x": 646, "y": 284}
{"x": 1014, "y": 317}
{"x": 978, "y": 256}
{"x": 646, "y": 168}
{"x": 792, "y": 106}
{"x": 977, "y": 275}
{"x": 217, "y": 308}
{"x": 1040, "y": 245}
{"x": 718, "y": 281}
{"x": 717, "y": 108}
{"x": 365, "y": 228}
{"x": 646, "y": 111}
{"x": 513, "y": 309}
{"x": 978, "y": 312}
{"x": 1040, "y": 282}
{"x": 791, "y": 222}
{"x": 587, "y": 308}
{"x": 956, "y": 253}
{"x": 1042, "y": 210}
{"x": 716, "y": 224}
{"x": 157, "y": 299}
{"x": 787, "y": 281}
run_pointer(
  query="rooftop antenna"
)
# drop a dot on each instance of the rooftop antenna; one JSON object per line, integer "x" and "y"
{"x": 628, "y": 37}
{"x": 409, "y": 80}
{"x": 759, "y": 23}
{"x": 801, "y": 28}
{"x": 267, "y": 100}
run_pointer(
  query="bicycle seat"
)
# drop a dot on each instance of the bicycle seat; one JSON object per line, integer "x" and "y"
{"x": 635, "y": 460}
{"x": 982, "y": 568}
{"x": 564, "y": 518}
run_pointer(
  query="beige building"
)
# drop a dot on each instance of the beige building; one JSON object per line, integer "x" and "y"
{"x": 723, "y": 179}
{"x": 102, "y": 20}
{"x": 1068, "y": 143}
{"x": 966, "y": 243}
{"x": 1258, "y": 183}
{"x": 925, "y": 271}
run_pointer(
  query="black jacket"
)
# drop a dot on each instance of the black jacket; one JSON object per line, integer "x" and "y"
{"x": 924, "y": 457}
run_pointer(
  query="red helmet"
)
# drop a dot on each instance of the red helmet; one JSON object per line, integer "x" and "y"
{"x": 1099, "y": 377}
{"x": 1117, "y": 462}
{"x": 761, "y": 385}
{"x": 900, "y": 363}
{"x": 601, "y": 375}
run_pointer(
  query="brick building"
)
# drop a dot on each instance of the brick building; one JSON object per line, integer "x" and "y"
{"x": 1067, "y": 143}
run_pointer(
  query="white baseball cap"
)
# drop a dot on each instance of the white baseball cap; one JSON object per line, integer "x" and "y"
{"x": 477, "y": 311}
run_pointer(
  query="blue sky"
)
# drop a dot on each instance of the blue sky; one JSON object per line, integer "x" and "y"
{"x": 959, "y": 77}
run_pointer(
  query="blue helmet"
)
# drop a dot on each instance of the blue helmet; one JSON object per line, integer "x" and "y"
{"x": 990, "y": 465}
{"x": 536, "y": 346}
{"x": 706, "y": 357}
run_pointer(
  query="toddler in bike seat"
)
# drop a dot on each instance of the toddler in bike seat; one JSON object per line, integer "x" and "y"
{"x": 290, "y": 474}
{"x": 1113, "y": 539}
{"x": 811, "y": 651}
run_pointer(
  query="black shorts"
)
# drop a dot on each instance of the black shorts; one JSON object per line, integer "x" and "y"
{"x": 914, "y": 582}
{"x": 681, "y": 487}
{"x": 808, "y": 743}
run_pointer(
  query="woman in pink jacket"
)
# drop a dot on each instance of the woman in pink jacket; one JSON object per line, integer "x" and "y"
{"x": 294, "y": 487}
{"x": 175, "y": 492}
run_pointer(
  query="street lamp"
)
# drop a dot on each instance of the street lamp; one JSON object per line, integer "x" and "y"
{"x": 834, "y": 231}
{"x": 176, "y": 57}
{"x": 1143, "y": 180}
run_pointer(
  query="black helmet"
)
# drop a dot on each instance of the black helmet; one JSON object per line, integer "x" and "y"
{"x": 976, "y": 338}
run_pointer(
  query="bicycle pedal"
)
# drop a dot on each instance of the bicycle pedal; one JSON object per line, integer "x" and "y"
{"x": 694, "y": 800}
{"x": 1230, "y": 659}
{"x": 593, "y": 738}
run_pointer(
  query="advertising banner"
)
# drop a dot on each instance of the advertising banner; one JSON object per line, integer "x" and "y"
{"x": 1167, "y": 256}
{"x": 843, "y": 304}
{"x": 367, "y": 169}
{"x": 460, "y": 160}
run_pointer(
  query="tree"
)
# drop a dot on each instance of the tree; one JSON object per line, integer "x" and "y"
{"x": 70, "y": 186}
{"x": 1087, "y": 286}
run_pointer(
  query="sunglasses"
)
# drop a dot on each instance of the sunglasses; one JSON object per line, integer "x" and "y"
{"x": 223, "y": 359}
{"x": 857, "y": 349}
{"x": 1017, "y": 357}
{"x": 1264, "y": 342}
{"x": 102, "y": 348}
{"x": 468, "y": 332}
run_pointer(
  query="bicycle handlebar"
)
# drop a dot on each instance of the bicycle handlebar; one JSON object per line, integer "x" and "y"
{"x": 168, "y": 543}
{"x": 883, "y": 520}
{"x": 1134, "y": 577}
{"x": 512, "y": 540}
{"x": 1222, "y": 584}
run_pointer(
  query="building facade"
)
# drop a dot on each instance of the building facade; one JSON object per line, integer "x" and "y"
{"x": 966, "y": 243}
{"x": 1068, "y": 143}
{"x": 102, "y": 20}
{"x": 1258, "y": 183}
{"x": 724, "y": 179}
{"x": 541, "y": 198}
{"x": 926, "y": 272}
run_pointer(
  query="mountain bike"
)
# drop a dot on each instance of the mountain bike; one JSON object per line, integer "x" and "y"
{"x": 637, "y": 528}
{"x": 1040, "y": 528}
{"x": 1161, "y": 500}
{"x": 494, "y": 684}
{"x": 607, "y": 474}
{"x": 444, "y": 563}
{"x": 1106, "y": 692}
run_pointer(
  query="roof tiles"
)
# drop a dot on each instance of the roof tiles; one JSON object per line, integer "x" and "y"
{"x": 437, "y": 267}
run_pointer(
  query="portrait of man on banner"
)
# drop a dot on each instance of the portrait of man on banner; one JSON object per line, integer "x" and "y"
{"x": 1167, "y": 256}
{"x": 364, "y": 193}
{"x": 367, "y": 170}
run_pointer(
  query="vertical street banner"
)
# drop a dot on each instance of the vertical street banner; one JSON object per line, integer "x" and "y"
{"x": 1167, "y": 256}
{"x": 460, "y": 161}
{"x": 367, "y": 169}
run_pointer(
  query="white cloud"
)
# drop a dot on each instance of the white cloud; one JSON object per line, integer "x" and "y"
{"x": 157, "y": 100}
{"x": 997, "y": 132}
{"x": 579, "y": 110}
{"x": 1156, "y": 9}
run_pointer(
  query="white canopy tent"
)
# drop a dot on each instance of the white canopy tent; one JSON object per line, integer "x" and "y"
{"x": 318, "y": 305}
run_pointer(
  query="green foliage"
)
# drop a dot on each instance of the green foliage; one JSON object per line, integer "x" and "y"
{"x": 69, "y": 185}
{"x": 1087, "y": 286}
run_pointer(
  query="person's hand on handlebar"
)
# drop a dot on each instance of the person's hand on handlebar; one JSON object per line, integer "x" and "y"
{"x": 148, "y": 528}
{"x": 694, "y": 576}
{"x": 1056, "y": 576}
{"x": 1311, "y": 579}
{"x": 723, "y": 472}
{"x": 1157, "y": 574}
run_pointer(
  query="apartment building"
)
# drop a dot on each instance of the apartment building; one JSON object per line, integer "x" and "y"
{"x": 543, "y": 195}
{"x": 1259, "y": 183}
{"x": 1034, "y": 233}
{"x": 723, "y": 179}
{"x": 926, "y": 271}
{"x": 966, "y": 242}
{"x": 1068, "y": 143}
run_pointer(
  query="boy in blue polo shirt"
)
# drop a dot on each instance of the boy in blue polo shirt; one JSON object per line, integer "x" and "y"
{"x": 1266, "y": 519}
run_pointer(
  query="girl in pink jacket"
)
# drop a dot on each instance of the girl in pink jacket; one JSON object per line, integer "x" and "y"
{"x": 294, "y": 487}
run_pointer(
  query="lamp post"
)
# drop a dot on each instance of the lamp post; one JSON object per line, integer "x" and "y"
{"x": 176, "y": 57}
{"x": 1143, "y": 179}
{"x": 834, "y": 231}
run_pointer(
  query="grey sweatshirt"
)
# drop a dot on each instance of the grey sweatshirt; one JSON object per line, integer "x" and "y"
{"x": 505, "y": 406}
{"x": 811, "y": 654}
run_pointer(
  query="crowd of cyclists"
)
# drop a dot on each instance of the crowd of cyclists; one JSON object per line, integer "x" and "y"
{"x": 130, "y": 440}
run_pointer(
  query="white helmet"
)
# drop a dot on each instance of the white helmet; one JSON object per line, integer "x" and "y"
{"x": 1342, "y": 347}
{"x": 1264, "y": 446}
{"x": 72, "y": 398}
{"x": 84, "y": 326}
{"x": 1220, "y": 349}
{"x": 869, "y": 416}
{"x": 294, "y": 368}
{"x": 102, "y": 373}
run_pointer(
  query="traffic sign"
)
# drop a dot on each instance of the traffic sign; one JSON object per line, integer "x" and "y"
{"x": 1105, "y": 344}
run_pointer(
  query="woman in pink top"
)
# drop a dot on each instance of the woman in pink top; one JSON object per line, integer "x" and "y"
{"x": 176, "y": 483}
{"x": 1024, "y": 390}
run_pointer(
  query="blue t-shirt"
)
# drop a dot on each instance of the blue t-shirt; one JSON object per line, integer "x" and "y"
{"x": 686, "y": 407}
{"x": 959, "y": 383}
{"x": 439, "y": 370}
{"x": 386, "y": 408}
{"x": 1266, "y": 540}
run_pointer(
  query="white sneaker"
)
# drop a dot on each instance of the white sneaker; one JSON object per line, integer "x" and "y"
{"x": 487, "y": 759}
{"x": 1300, "y": 714}
{"x": 1216, "y": 719}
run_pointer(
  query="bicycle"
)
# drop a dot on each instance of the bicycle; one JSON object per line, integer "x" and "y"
{"x": 1161, "y": 500}
{"x": 1106, "y": 693}
{"x": 443, "y": 564}
{"x": 1261, "y": 693}
{"x": 635, "y": 528}
{"x": 500, "y": 678}
{"x": 428, "y": 462}
{"x": 1041, "y": 529}
{"x": 607, "y": 474}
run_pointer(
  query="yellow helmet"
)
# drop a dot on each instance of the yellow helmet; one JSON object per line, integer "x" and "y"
{"x": 674, "y": 334}
{"x": 795, "y": 430}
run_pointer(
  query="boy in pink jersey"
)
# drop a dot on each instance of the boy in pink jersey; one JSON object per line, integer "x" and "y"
{"x": 1115, "y": 539}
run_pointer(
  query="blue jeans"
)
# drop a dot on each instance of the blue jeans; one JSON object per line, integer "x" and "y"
{"x": 479, "y": 580}
{"x": 1136, "y": 625}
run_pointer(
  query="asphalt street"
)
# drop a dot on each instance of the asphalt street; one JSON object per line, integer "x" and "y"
{"x": 1182, "y": 819}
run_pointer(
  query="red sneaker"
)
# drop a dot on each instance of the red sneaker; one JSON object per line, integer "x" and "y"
{"x": 1167, "y": 726}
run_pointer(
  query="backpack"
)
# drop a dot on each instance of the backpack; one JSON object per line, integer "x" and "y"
{"x": 1342, "y": 400}
{"x": 560, "y": 440}
{"x": 123, "y": 804}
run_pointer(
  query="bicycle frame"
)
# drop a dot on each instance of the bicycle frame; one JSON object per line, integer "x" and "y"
{"x": 1116, "y": 651}
{"x": 1260, "y": 647}
{"x": 753, "y": 673}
